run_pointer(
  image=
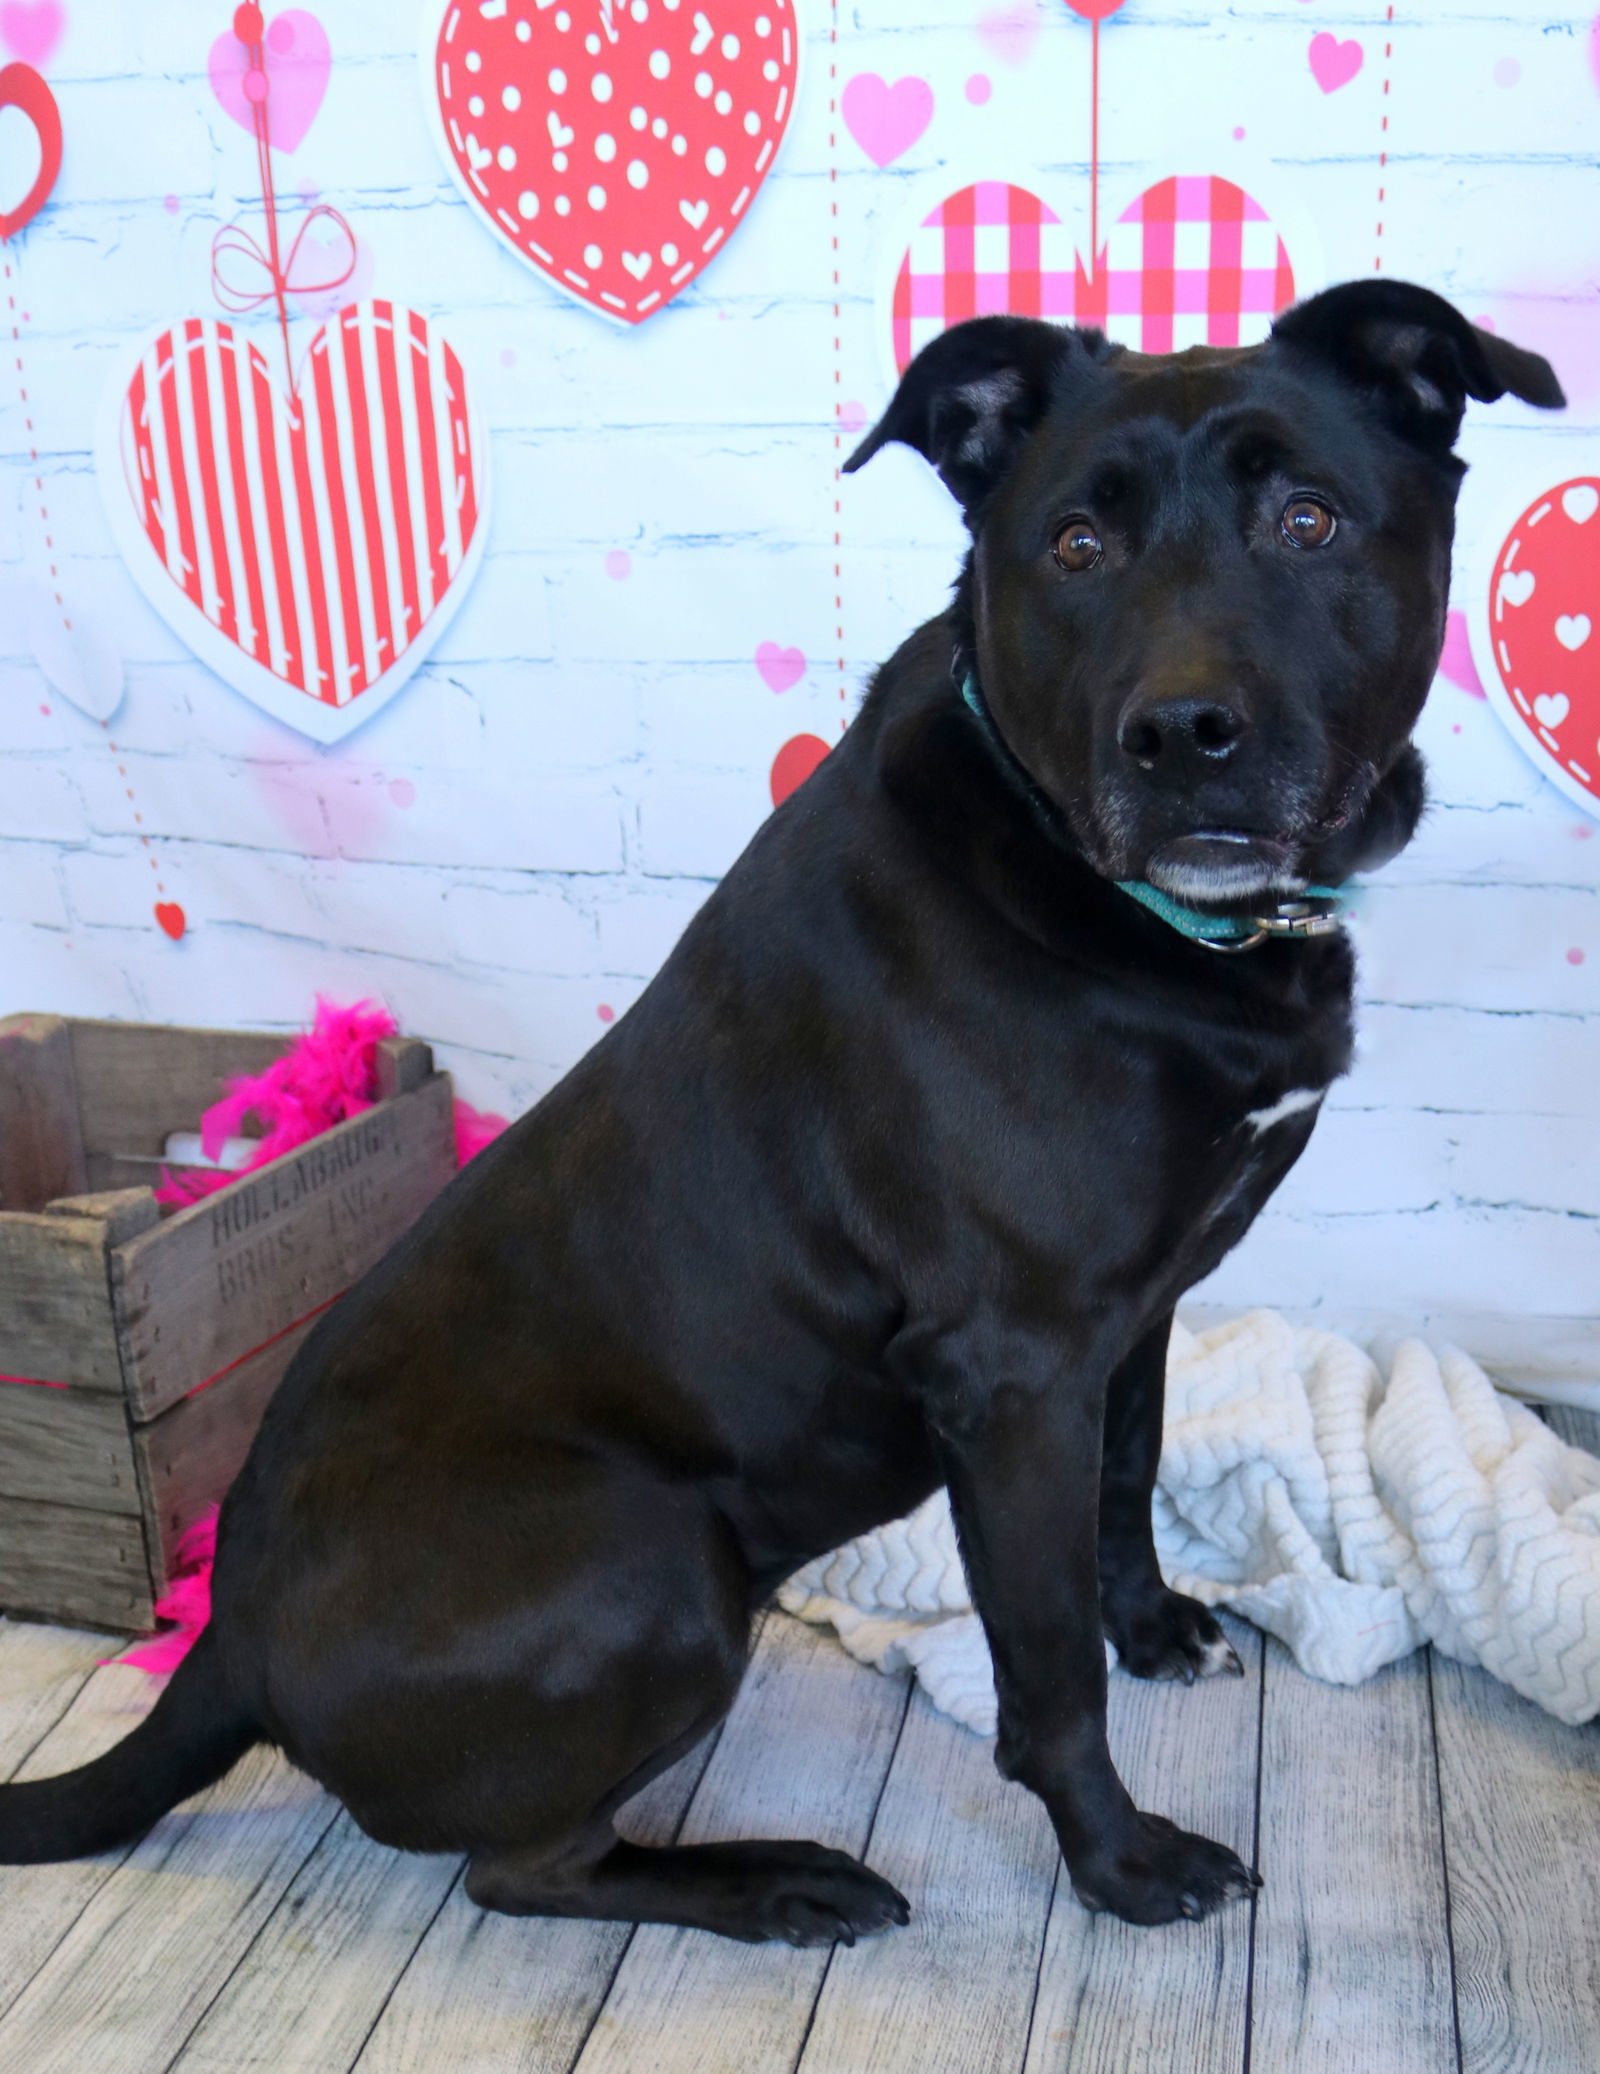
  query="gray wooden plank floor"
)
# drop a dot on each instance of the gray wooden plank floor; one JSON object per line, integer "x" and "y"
{"x": 1429, "y": 1842}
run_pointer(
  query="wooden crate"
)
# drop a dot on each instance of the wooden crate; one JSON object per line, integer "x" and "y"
{"x": 137, "y": 1352}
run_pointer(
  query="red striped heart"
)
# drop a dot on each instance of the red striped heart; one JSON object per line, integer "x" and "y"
{"x": 309, "y": 548}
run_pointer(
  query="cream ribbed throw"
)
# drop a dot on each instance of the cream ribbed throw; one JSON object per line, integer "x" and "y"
{"x": 1354, "y": 1514}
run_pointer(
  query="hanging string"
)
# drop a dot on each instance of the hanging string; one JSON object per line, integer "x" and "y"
{"x": 237, "y": 258}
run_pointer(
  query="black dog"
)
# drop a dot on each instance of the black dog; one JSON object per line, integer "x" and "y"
{"x": 894, "y": 1174}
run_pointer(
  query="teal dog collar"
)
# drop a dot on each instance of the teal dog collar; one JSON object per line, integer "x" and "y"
{"x": 1319, "y": 911}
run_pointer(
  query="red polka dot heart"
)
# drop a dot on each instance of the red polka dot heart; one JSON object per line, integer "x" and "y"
{"x": 615, "y": 145}
{"x": 1539, "y": 633}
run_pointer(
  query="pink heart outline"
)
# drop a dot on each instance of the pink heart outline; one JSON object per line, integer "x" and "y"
{"x": 886, "y": 120}
{"x": 31, "y": 29}
{"x": 298, "y": 62}
{"x": 1334, "y": 64}
{"x": 780, "y": 667}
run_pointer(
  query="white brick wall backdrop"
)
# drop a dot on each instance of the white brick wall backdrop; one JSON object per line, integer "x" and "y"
{"x": 506, "y": 853}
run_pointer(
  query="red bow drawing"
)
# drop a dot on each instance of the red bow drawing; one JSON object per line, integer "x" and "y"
{"x": 238, "y": 260}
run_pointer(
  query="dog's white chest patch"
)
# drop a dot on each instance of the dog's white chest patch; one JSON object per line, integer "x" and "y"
{"x": 1291, "y": 1104}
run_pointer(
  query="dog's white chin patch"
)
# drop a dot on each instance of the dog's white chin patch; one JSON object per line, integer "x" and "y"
{"x": 1233, "y": 878}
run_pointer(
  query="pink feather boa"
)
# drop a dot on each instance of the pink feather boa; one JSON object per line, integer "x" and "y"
{"x": 329, "y": 1073}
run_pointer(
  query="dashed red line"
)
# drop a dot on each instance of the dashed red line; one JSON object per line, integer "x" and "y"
{"x": 17, "y": 320}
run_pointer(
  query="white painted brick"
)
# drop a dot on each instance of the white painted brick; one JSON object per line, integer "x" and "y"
{"x": 43, "y": 971}
{"x": 259, "y": 806}
{"x": 1366, "y": 1161}
{"x": 535, "y": 930}
{"x": 1482, "y": 946}
{"x": 1539, "y": 1162}
{"x": 110, "y": 889}
{"x": 393, "y": 909}
{"x": 30, "y": 885}
{"x": 26, "y": 726}
{"x": 697, "y": 830}
{"x": 640, "y": 925}
{"x": 38, "y": 800}
{"x": 575, "y": 825}
{"x": 556, "y": 718}
{"x": 1515, "y": 1063}
{"x": 505, "y": 613}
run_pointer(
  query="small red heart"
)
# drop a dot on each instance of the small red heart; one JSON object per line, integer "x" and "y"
{"x": 172, "y": 918}
{"x": 794, "y": 763}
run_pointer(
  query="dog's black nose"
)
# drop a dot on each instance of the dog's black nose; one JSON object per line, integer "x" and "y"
{"x": 1179, "y": 736}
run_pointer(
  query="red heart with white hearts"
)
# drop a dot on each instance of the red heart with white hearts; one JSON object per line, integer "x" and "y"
{"x": 1533, "y": 635}
{"x": 310, "y": 548}
{"x": 615, "y": 145}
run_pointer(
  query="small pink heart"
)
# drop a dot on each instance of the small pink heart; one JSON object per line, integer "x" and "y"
{"x": 1009, "y": 33}
{"x": 781, "y": 667}
{"x": 1456, "y": 662}
{"x": 886, "y": 120}
{"x": 852, "y": 416}
{"x": 1334, "y": 64}
{"x": 298, "y": 61}
{"x": 32, "y": 31}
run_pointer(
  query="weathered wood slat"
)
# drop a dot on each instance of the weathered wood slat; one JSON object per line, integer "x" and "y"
{"x": 1114, "y": 1999}
{"x": 804, "y": 1754}
{"x": 1352, "y": 1964}
{"x": 40, "y": 1903}
{"x": 309, "y": 1988}
{"x": 41, "y": 1147}
{"x": 159, "y": 1938}
{"x": 137, "y": 1082}
{"x": 517, "y": 1995}
{"x": 1577, "y": 1428}
{"x": 312, "y": 1985}
{"x": 403, "y": 1064}
{"x": 221, "y": 1279}
{"x": 63, "y": 1564}
{"x": 1521, "y": 1798}
{"x": 55, "y": 1311}
{"x": 186, "y": 1459}
{"x": 977, "y": 1859}
{"x": 42, "y": 1671}
{"x": 66, "y": 1447}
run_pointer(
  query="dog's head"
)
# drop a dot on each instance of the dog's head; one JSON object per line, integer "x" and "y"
{"x": 1206, "y": 594}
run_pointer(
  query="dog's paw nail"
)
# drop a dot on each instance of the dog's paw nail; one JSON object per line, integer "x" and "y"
{"x": 1189, "y": 1905}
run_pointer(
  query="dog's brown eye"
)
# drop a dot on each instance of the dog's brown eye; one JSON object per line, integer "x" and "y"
{"x": 1078, "y": 545}
{"x": 1308, "y": 523}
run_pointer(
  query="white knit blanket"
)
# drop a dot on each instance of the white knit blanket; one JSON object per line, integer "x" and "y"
{"x": 1354, "y": 1514}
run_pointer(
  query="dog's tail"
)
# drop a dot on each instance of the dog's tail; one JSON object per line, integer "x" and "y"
{"x": 191, "y": 1736}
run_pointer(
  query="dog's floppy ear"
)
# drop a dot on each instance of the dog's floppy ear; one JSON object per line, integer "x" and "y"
{"x": 971, "y": 397}
{"x": 1417, "y": 354}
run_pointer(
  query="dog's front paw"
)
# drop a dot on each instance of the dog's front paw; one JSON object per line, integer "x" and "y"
{"x": 1170, "y": 1636}
{"x": 1162, "y": 1873}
